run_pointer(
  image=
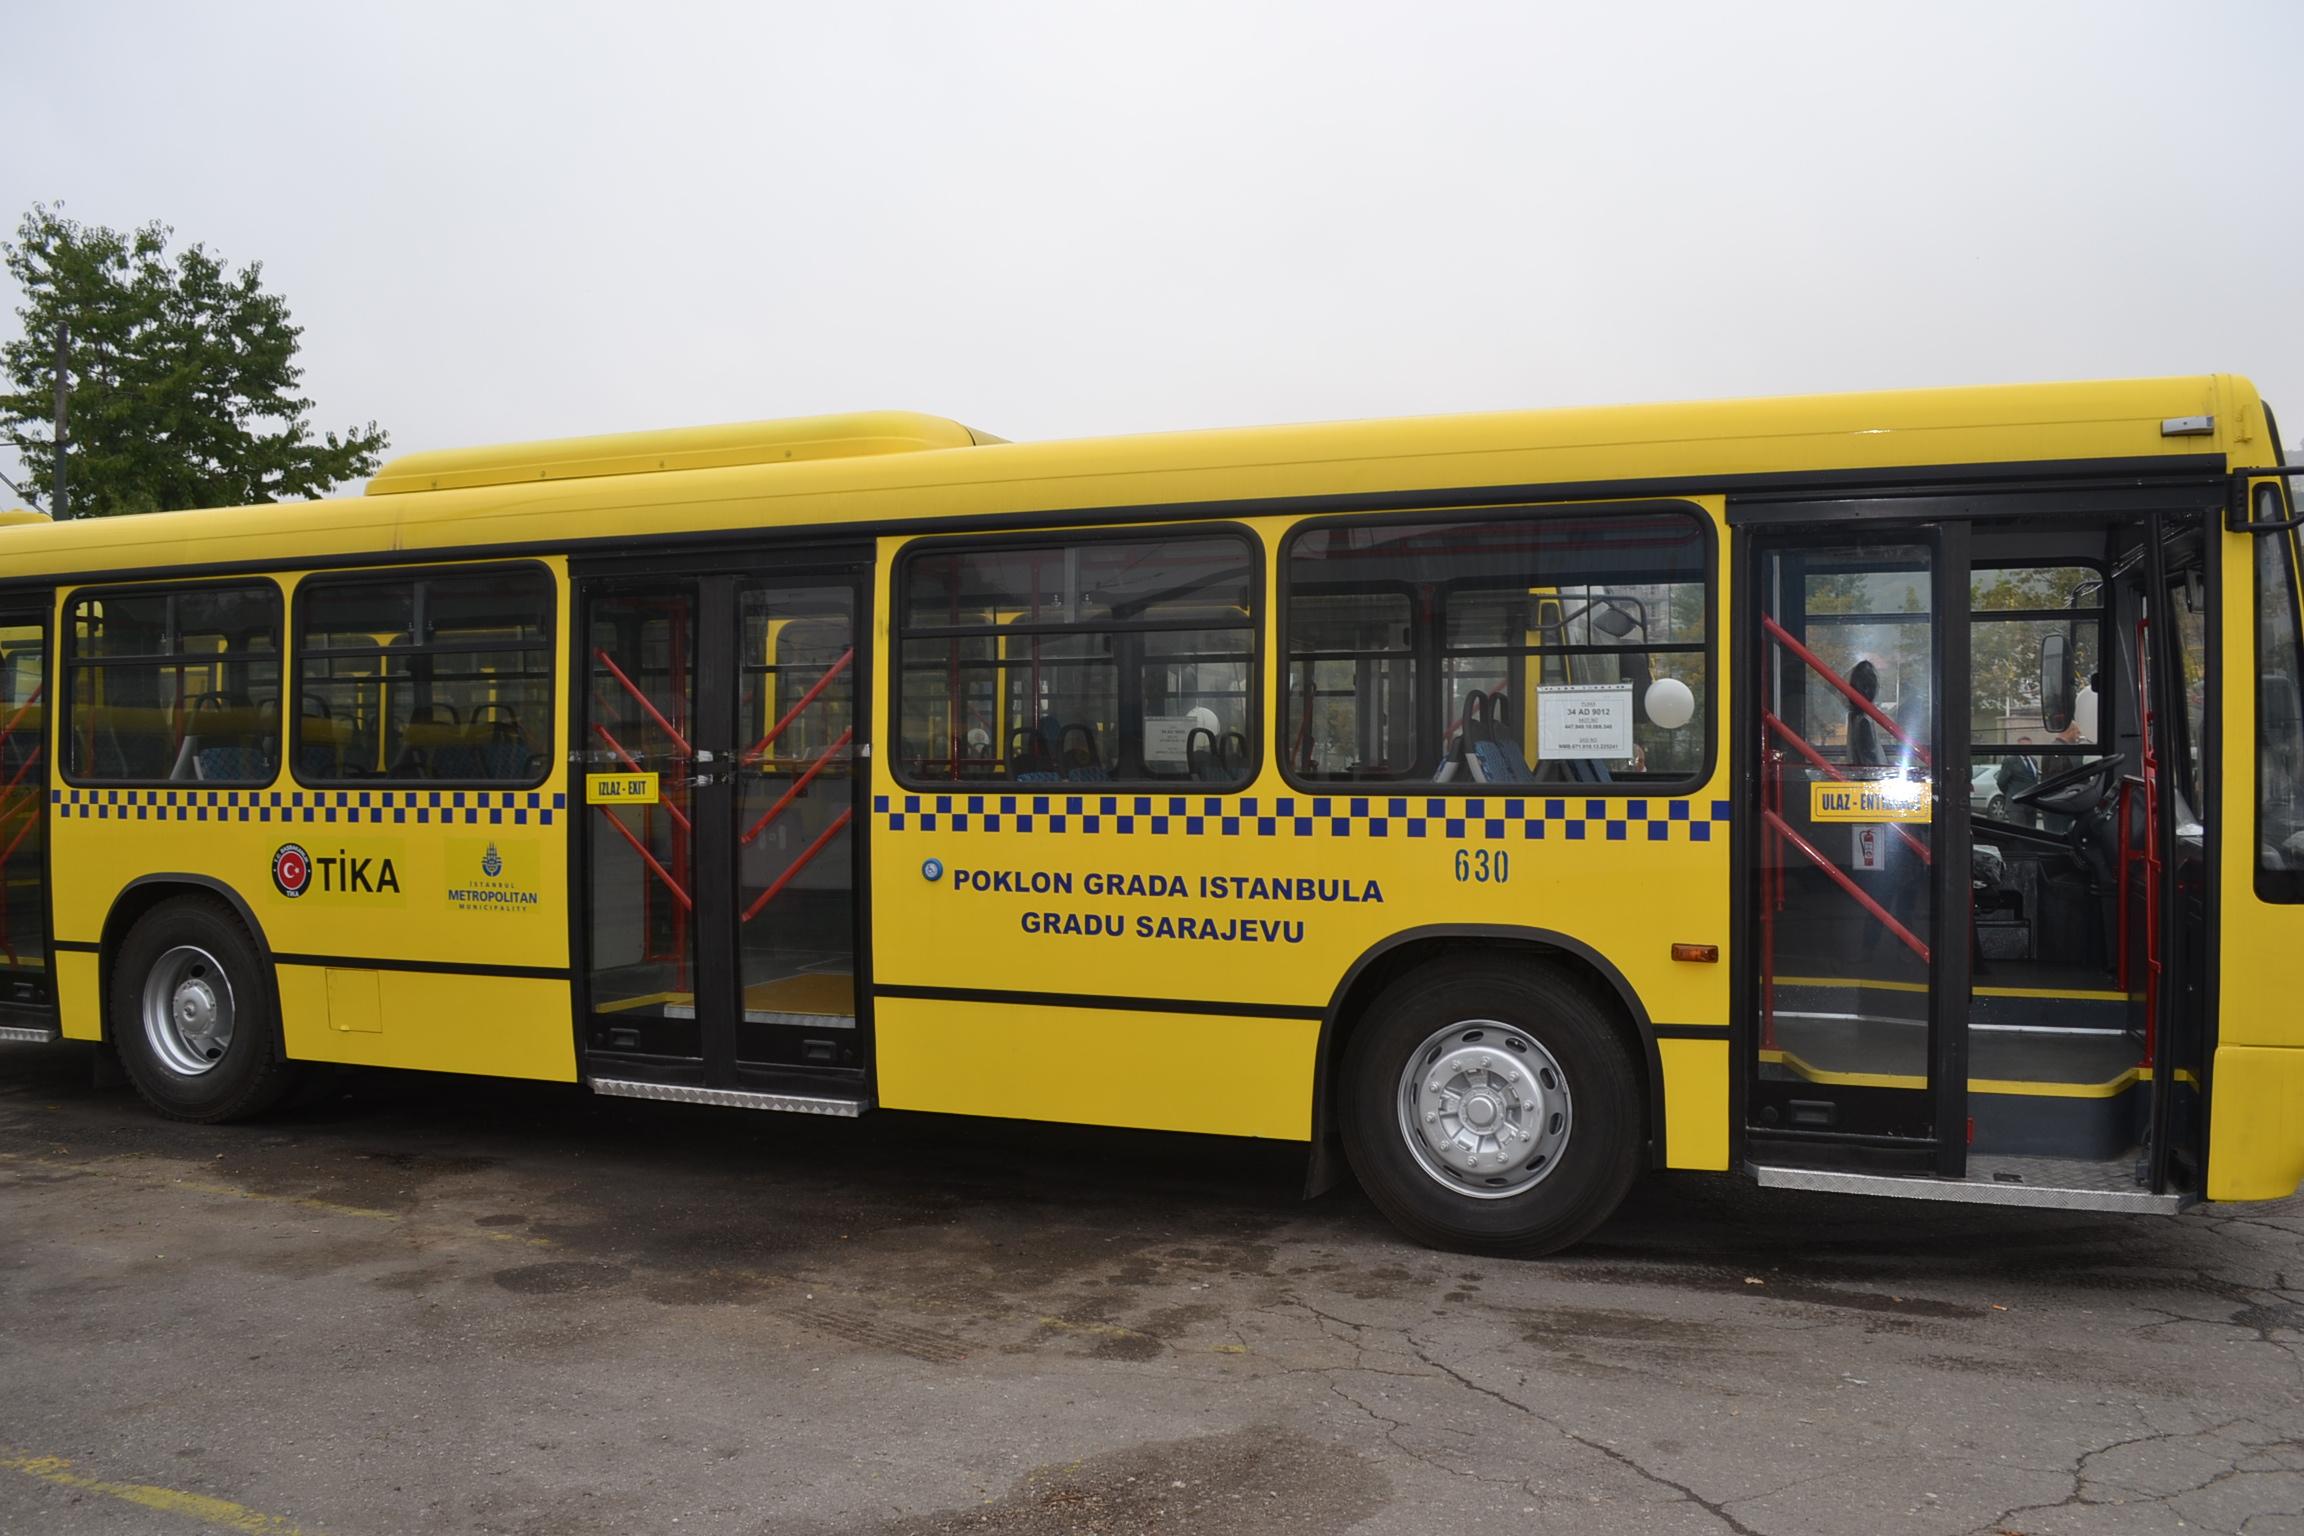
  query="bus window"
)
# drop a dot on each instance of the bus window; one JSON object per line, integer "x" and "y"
{"x": 1111, "y": 660}
{"x": 425, "y": 678}
{"x": 1351, "y": 685}
{"x": 2279, "y": 714}
{"x": 1460, "y": 652}
{"x": 175, "y": 685}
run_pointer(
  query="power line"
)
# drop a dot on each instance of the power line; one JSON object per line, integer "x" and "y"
{"x": 16, "y": 490}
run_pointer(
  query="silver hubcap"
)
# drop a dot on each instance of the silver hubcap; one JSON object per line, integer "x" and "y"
{"x": 1484, "y": 1109}
{"x": 188, "y": 1010}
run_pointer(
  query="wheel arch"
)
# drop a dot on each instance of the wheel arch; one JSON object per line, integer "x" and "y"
{"x": 140, "y": 896}
{"x": 1412, "y": 948}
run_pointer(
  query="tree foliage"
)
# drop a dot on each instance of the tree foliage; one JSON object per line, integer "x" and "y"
{"x": 183, "y": 376}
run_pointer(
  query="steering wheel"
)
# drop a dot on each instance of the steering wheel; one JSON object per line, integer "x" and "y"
{"x": 2097, "y": 776}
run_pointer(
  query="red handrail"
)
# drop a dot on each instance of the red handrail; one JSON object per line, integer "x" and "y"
{"x": 640, "y": 848}
{"x": 1783, "y": 829}
{"x": 642, "y": 700}
{"x": 22, "y": 769}
{"x": 1783, "y": 637}
{"x": 798, "y": 864}
{"x": 1824, "y": 765}
{"x": 17, "y": 718}
{"x": 793, "y": 789}
{"x": 760, "y": 747}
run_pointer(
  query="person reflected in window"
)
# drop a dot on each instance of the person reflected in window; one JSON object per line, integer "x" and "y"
{"x": 2017, "y": 774}
{"x": 2084, "y": 708}
{"x": 1863, "y": 735}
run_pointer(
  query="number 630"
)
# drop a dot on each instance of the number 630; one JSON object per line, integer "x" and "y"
{"x": 1483, "y": 866}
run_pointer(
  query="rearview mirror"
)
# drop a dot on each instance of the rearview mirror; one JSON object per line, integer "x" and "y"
{"x": 2056, "y": 682}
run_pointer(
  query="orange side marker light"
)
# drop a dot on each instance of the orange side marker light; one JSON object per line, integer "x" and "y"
{"x": 1702, "y": 954}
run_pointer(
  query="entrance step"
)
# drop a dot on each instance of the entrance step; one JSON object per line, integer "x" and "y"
{"x": 779, "y": 1017}
{"x": 840, "y": 1106}
{"x": 2050, "y": 1183}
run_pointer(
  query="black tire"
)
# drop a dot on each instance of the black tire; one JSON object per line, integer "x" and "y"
{"x": 1594, "y": 1166}
{"x": 250, "y": 1072}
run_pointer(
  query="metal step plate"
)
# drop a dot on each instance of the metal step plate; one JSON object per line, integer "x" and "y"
{"x": 19, "y": 1034}
{"x": 2048, "y": 1183}
{"x": 730, "y": 1098}
{"x": 773, "y": 1016}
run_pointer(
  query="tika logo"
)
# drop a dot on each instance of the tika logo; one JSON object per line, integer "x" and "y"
{"x": 491, "y": 862}
{"x": 292, "y": 870}
{"x": 295, "y": 872}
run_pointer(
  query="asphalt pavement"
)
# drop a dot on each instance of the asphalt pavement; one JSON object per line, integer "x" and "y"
{"x": 427, "y": 1304}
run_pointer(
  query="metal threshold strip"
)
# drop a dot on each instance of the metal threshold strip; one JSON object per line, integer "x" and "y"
{"x": 785, "y": 1017}
{"x": 2045, "y": 1183}
{"x": 730, "y": 1098}
{"x": 18, "y": 1034}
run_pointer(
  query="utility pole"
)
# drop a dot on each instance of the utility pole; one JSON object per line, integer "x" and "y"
{"x": 56, "y": 496}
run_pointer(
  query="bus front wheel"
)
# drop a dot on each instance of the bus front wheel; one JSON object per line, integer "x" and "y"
{"x": 1491, "y": 1108}
{"x": 191, "y": 1017}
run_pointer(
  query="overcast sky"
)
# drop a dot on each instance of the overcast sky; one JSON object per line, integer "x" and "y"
{"x": 499, "y": 222}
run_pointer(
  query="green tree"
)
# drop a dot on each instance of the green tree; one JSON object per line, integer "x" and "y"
{"x": 183, "y": 377}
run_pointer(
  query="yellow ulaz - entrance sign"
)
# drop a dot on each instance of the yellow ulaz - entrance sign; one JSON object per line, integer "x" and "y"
{"x": 1871, "y": 800}
{"x": 620, "y": 789}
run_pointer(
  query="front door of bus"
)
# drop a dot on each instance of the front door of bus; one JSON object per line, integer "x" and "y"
{"x": 1858, "y": 836}
{"x": 25, "y": 996}
{"x": 721, "y": 729}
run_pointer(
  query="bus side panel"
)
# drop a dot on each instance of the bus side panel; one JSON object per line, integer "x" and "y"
{"x": 1171, "y": 1072}
{"x": 1265, "y": 895}
{"x": 2254, "y": 1152}
{"x": 393, "y": 871}
{"x": 1696, "y": 1098}
{"x": 492, "y": 1026}
{"x": 2255, "y": 1138}
{"x": 79, "y": 999}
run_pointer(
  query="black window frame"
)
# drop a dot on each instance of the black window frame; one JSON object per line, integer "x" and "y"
{"x": 72, "y": 664}
{"x": 548, "y": 647}
{"x": 1429, "y": 648}
{"x": 2107, "y": 700}
{"x": 2275, "y": 887}
{"x": 900, "y": 592}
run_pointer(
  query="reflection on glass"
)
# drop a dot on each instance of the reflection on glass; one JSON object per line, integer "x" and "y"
{"x": 795, "y": 832}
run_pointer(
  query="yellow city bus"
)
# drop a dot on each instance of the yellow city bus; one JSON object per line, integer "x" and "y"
{"x": 1891, "y": 793}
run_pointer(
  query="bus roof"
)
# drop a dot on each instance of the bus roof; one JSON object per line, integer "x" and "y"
{"x": 639, "y": 453}
{"x": 853, "y": 472}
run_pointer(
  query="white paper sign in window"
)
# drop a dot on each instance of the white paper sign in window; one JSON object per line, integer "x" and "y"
{"x": 1168, "y": 740}
{"x": 1584, "y": 720}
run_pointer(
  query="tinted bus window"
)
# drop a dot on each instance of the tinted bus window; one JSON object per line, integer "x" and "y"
{"x": 177, "y": 685}
{"x": 1112, "y": 660}
{"x": 1566, "y": 649}
{"x": 415, "y": 678}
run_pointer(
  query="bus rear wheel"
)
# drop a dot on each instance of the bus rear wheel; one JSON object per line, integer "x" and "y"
{"x": 191, "y": 1017}
{"x": 1491, "y": 1108}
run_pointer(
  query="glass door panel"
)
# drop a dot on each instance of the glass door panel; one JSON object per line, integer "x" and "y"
{"x": 795, "y": 812}
{"x": 1847, "y": 840}
{"x": 640, "y": 726}
{"x": 23, "y": 806}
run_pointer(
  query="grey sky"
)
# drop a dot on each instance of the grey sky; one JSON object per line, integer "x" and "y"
{"x": 499, "y": 222}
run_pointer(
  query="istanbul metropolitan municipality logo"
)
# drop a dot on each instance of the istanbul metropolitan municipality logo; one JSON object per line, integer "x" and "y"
{"x": 492, "y": 885}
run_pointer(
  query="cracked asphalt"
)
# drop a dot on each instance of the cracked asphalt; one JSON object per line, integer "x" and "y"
{"x": 436, "y": 1304}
